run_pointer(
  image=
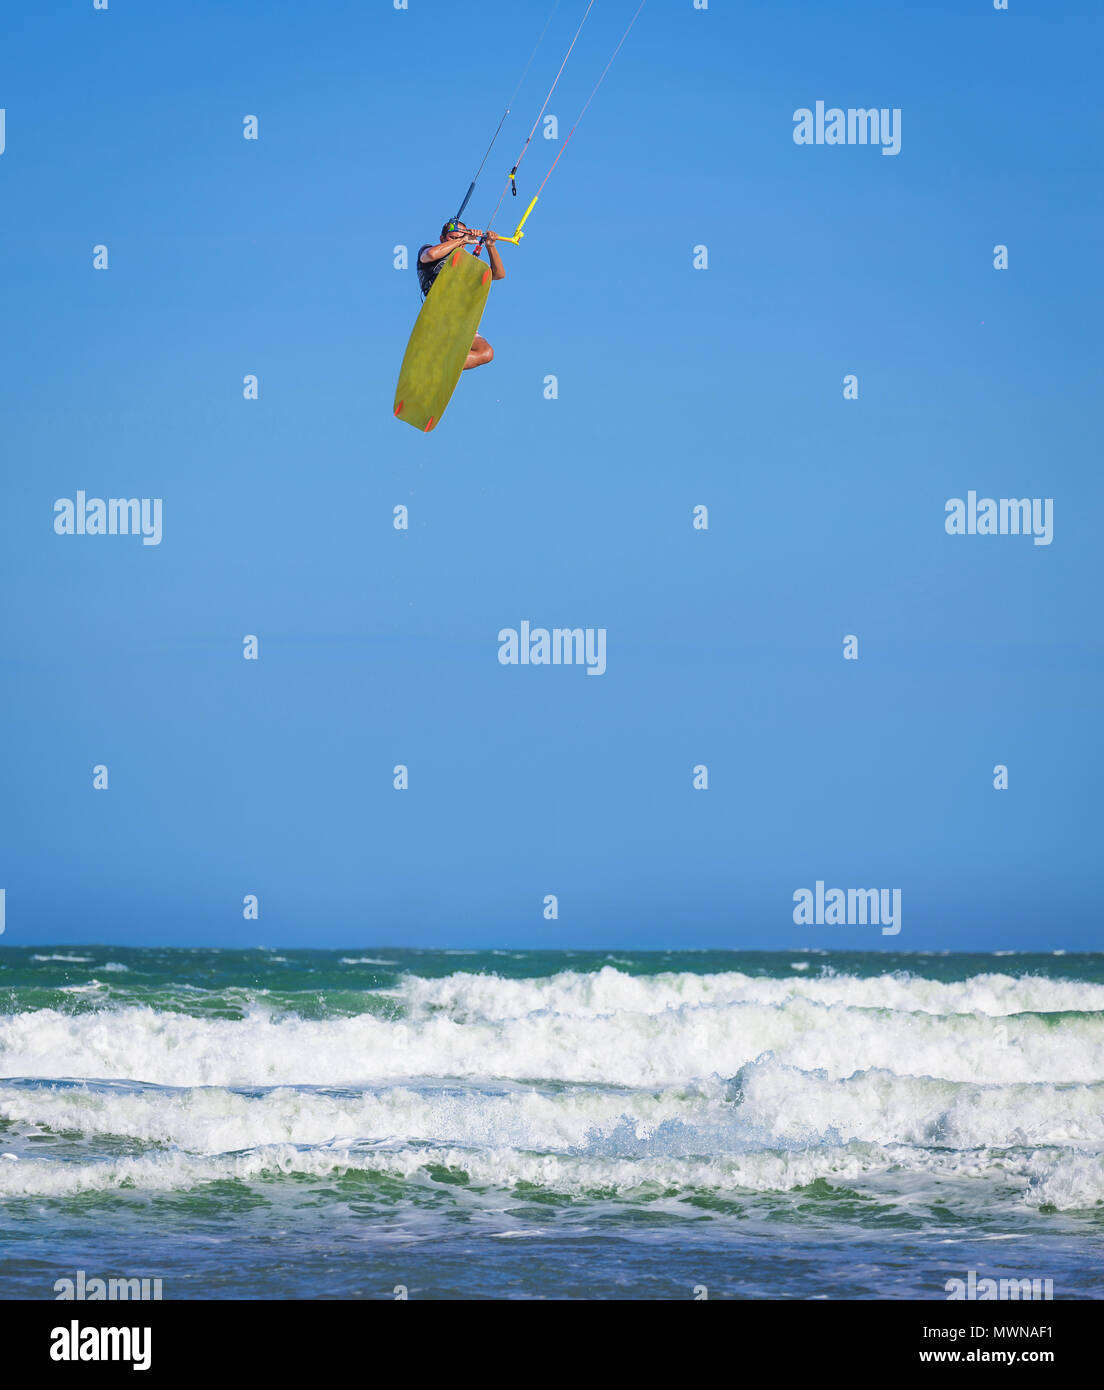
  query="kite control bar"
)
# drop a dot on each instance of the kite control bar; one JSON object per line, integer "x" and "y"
{"x": 515, "y": 240}
{"x": 518, "y": 233}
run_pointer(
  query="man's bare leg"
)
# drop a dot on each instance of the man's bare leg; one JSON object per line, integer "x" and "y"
{"x": 481, "y": 353}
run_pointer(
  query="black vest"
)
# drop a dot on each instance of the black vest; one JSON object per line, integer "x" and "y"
{"x": 427, "y": 273}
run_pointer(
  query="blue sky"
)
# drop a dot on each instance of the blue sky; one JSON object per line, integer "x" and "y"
{"x": 677, "y": 387}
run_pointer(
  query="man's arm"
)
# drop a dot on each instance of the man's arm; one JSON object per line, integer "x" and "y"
{"x": 439, "y": 252}
{"x": 498, "y": 270}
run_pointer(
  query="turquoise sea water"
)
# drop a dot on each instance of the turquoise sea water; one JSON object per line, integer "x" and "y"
{"x": 549, "y": 1124}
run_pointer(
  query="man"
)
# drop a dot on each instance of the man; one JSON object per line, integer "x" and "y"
{"x": 432, "y": 258}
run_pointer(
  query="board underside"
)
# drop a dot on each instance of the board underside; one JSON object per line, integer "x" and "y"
{"x": 441, "y": 341}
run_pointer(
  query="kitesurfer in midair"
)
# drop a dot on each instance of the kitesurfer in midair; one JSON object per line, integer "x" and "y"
{"x": 432, "y": 258}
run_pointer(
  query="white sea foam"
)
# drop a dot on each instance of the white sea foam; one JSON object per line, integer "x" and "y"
{"x": 213, "y": 1120}
{"x": 582, "y": 1083}
{"x": 1069, "y": 1184}
{"x": 1074, "y": 1181}
{"x": 609, "y": 990}
{"x": 679, "y": 1044}
{"x": 34, "y": 1177}
{"x": 768, "y": 1104}
{"x": 880, "y": 1107}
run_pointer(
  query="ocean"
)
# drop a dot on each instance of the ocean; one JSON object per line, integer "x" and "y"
{"x": 385, "y": 1123}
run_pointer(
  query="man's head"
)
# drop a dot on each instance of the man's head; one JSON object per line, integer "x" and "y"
{"x": 454, "y": 230}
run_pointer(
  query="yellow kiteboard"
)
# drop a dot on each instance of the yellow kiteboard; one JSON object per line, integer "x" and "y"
{"x": 441, "y": 340}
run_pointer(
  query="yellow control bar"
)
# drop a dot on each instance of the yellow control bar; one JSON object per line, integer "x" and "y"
{"x": 518, "y": 233}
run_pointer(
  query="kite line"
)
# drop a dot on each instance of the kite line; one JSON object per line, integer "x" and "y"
{"x": 509, "y": 104}
{"x": 510, "y": 183}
